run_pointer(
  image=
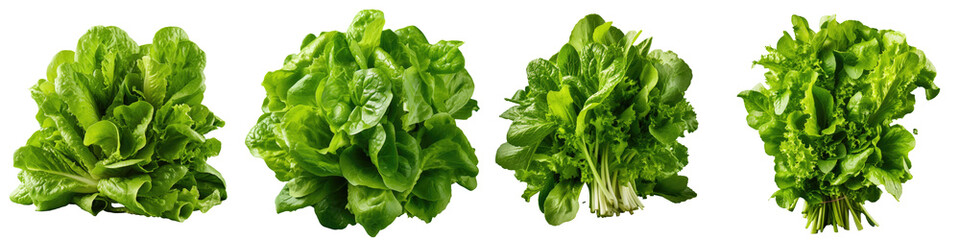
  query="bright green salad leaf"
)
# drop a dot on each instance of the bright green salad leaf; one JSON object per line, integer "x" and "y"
{"x": 360, "y": 124}
{"x": 121, "y": 129}
{"x": 605, "y": 112}
{"x": 826, "y": 115}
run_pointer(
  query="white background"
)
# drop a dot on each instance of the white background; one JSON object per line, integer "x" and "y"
{"x": 728, "y": 168}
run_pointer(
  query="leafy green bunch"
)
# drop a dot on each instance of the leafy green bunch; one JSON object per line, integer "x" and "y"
{"x": 122, "y": 129}
{"x": 360, "y": 124}
{"x": 603, "y": 112}
{"x": 826, "y": 116}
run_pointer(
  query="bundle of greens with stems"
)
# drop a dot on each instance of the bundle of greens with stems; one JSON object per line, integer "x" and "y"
{"x": 122, "y": 129}
{"x": 826, "y": 116}
{"x": 361, "y": 125}
{"x": 603, "y": 112}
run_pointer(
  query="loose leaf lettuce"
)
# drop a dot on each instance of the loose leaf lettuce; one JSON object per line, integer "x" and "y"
{"x": 360, "y": 124}
{"x": 121, "y": 129}
{"x": 826, "y": 115}
{"x": 605, "y": 112}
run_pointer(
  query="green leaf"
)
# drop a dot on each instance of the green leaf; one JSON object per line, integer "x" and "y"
{"x": 278, "y": 84}
{"x": 445, "y": 57}
{"x": 370, "y": 92}
{"x": 403, "y": 150}
{"x": 103, "y": 134}
{"x": 307, "y": 191}
{"x": 414, "y": 92}
{"x": 896, "y": 143}
{"x": 356, "y": 167}
{"x": 434, "y": 185}
{"x": 264, "y": 142}
{"x": 315, "y": 161}
{"x": 135, "y": 119}
{"x": 666, "y": 133}
{"x": 92, "y": 203}
{"x": 365, "y": 29}
{"x": 649, "y": 78}
{"x": 62, "y": 57}
{"x": 374, "y": 209}
{"x": 818, "y": 105}
{"x": 30, "y": 158}
{"x": 583, "y": 31}
{"x": 125, "y": 191}
{"x": 561, "y": 104}
{"x": 425, "y": 210}
{"x": 787, "y": 198}
{"x": 48, "y": 181}
{"x": 542, "y": 75}
{"x": 607, "y": 34}
{"x": 48, "y": 191}
{"x": 155, "y": 76}
{"x": 451, "y": 92}
{"x": 177, "y": 138}
{"x": 76, "y": 95}
{"x": 786, "y": 45}
{"x": 801, "y": 28}
{"x": 893, "y": 185}
{"x": 527, "y": 131}
{"x": 568, "y": 60}
{"x": 674, "y": 189}
{"x": 210, "y": 182}
{"x": 466, "y": 111}
{"x": 100, "y": 41}
{"x": 303, "y": 125}
{"x": 448, "y": 155}
{"x": 166, "y": 45}
{"x": 332, "y": 211}
{"x": 673, "y": 75}
{"x": 889, "y": 181}
{"x": 852, "y": 165}
{"x": 511, "y": 157}
{"x": 411, "y": 35}
{"x": 304, "y": 91}
{"x": 21, "y": 195}
{"x": 562, "y": 203}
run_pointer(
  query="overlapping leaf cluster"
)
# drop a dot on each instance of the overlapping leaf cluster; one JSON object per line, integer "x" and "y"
{"x": 122, "y": 129}
{"x": 826, "y": 115}
{"x": 602, "y": 112}
{"x": 360, "y": 124}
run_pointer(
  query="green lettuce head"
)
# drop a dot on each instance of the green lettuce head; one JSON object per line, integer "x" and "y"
{"x": 122, "y": 129}
{"x": 361, "y": 125}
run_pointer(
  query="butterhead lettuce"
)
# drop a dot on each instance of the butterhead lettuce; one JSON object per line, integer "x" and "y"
{"x": 361, "y": 125}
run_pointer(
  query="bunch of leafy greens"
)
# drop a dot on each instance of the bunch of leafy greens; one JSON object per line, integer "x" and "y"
{"x": 602, "y": 112}
{"x": 361, "y": 125}
{"x": 122, "y": 129}
{"x": 826, "y": 115}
